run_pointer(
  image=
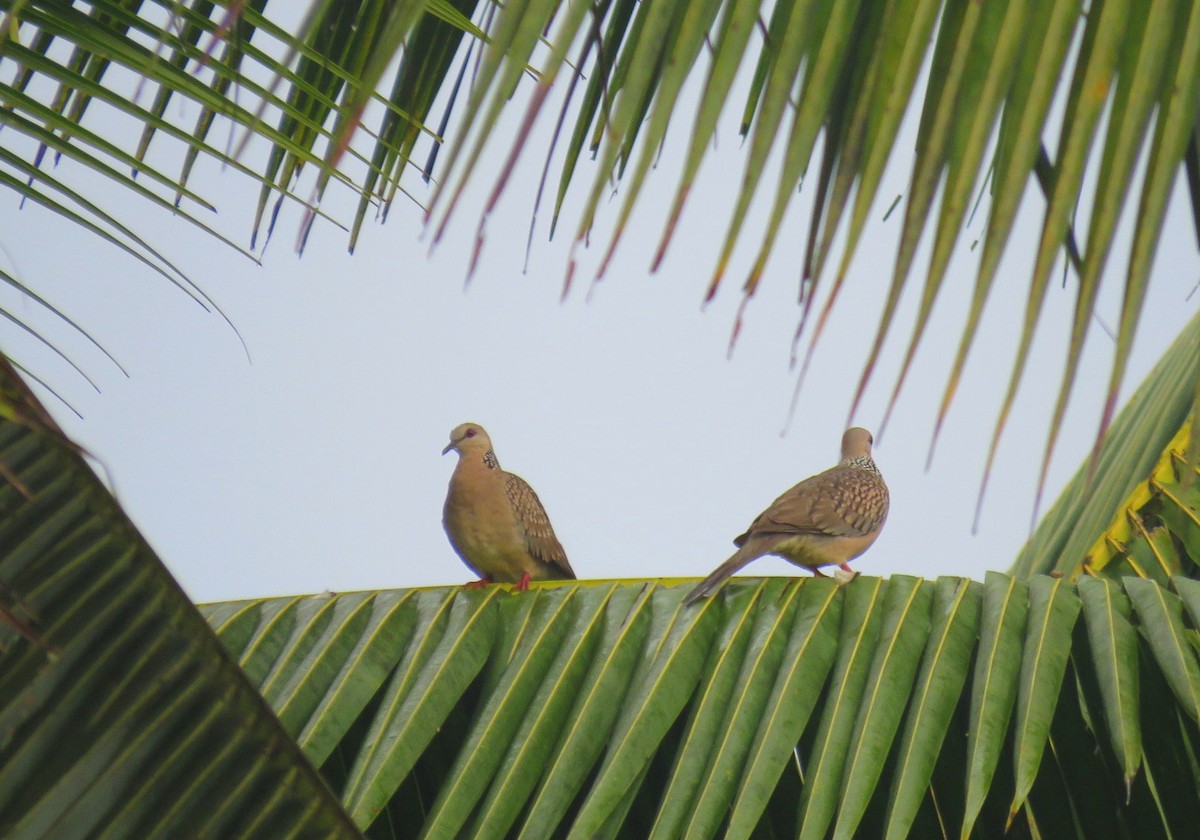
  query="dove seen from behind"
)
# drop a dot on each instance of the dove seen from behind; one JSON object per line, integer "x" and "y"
{"x": 828, "y": 519}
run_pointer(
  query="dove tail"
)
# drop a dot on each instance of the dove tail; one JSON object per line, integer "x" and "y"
{"x": 749, "y": 551}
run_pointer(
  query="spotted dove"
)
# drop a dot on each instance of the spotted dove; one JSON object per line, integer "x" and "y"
{"x": 495, "y": 521}
{"x": 828, "y": 519}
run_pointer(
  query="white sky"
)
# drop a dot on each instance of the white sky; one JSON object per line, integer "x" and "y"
{"x": 316, "y": 465}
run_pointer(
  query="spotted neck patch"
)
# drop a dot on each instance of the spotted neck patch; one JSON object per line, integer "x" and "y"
{"x": 490, "y": 460}
{"x": 862, "y": 462}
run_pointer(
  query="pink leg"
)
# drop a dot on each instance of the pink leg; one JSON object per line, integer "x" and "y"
{"x": 523, "y": 583}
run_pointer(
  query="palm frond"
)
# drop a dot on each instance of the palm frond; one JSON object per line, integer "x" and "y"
{"x": 121, "y": 715}
{"x": 847, "y": 72}
{"x": 1104, "y": 510}
{"x": 609, "y": 709}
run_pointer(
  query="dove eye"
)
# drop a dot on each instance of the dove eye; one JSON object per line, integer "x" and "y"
{"x": 470, "y": 433}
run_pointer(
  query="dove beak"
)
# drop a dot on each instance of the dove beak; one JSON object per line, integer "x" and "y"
{"x": 450, "y": 446}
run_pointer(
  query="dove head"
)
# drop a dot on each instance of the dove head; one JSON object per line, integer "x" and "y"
{"x": 468, "y": 437}
{"x": 856, "y": 443}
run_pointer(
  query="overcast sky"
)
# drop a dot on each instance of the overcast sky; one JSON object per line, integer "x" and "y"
{"x": 315, "y": 465}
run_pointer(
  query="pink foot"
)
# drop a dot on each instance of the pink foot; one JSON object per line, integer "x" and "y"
{"x": 523, "y": 583}
{"x": 478, "y": 584}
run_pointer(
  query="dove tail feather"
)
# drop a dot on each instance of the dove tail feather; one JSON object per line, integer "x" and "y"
{"x": 750, "y": 550}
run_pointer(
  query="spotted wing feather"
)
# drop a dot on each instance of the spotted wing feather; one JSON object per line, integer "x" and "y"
{"x": 840, "y": 502}
{"x": 531, "y": 516}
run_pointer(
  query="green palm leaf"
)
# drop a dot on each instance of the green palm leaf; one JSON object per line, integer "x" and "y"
{"x": 663, "y": 702}
{"x": 121, "y": 715}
